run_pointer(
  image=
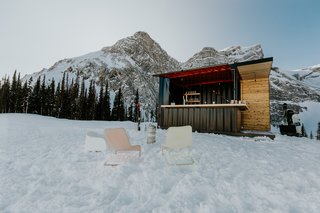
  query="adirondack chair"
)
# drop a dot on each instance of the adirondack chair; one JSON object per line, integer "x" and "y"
{"x": 118, "y": 140}
{"x": 177, "y": 145}
{"x": 95, "y": 142}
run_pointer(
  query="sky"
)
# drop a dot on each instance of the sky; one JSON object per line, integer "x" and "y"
{"x": 35, "y": 34}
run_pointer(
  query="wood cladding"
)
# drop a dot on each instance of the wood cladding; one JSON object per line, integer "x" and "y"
{"x": 256, "y": 94}
{"x": 255, "y": 71}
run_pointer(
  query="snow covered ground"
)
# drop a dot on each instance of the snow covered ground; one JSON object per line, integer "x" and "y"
{"x": 45, "y": 168}
{"x": 310, "y": 117}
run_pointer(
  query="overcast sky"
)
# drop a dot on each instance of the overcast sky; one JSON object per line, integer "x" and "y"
{"x": 34, "y": 34}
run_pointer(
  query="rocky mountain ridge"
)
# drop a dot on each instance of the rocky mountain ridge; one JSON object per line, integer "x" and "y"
{"x": 131, "y": 63}
{"x": 209, "y": 56}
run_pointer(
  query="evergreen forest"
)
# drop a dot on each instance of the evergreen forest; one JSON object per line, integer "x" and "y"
{"x": 70, "y": 100}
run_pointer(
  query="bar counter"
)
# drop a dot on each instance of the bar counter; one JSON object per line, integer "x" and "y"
{"x": 215, "y": 118}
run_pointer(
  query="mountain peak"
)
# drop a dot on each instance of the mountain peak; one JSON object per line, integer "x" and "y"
{"x": 209, "y": 56}
{"x": 206, "y": 57}
{"x": 209, "y": 50}
{"x": 139, "y": 39}
{"x": 240, "y": 54}
{"x": 142, "y": 49}
{"x": 142, "y": 35}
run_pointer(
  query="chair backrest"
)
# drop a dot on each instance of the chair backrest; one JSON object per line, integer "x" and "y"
{"x": 179, "y": 137}
{"x": 117, "y": 138}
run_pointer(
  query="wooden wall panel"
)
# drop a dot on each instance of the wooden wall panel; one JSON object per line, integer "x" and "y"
{"x": 256, "y": 94}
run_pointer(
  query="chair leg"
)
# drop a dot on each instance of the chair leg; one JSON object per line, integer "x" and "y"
{"x": 162, "y": 150}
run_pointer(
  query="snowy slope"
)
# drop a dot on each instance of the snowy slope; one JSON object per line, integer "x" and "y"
{"x": 300, "y": 95}
{"x": 45, "y": 168}
{"x": 310, "y": 75}
{"x": 310, "y": 116}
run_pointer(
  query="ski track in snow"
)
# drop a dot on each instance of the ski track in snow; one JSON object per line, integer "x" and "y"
{"x": 45, "y": 168}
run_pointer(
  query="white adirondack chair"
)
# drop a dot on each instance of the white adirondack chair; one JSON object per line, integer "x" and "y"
{"x": 177, "y": 146}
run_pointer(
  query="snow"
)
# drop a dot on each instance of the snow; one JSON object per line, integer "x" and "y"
{"x": 310, "y": 75}
{"x": 98, "y": 58}
{"x": 310, "y": 117}
{"x": 44, "y": 168}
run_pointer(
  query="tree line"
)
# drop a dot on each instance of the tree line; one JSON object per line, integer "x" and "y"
{"x": 65, "y": 100}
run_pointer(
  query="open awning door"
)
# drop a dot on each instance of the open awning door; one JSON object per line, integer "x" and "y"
{"x": 255, "y": 69}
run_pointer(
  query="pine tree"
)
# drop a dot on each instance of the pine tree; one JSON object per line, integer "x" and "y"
{"x": 83, "y": 101}
{"x": 57, "y": 109}
{"x": 303, "y": 131}
{"x": 318, "y": 132}
{"x": 43, "y": 97}
{"x": 61, "y": 102}
{"x": 13, "y": 93}
{"x": 35, "y": 106}
{"x": 118, "y": 111}
{"x": 91, "y": 104}
{"x": 20, "y": 96}
{"x": 64, "y": 98}
{"x": 67, "y": 103}
{"x": 122, "y": 111}
{"x": 51, "y": 98}
{"x": 64, "y": 91}
{"x": 4, "y": 92}
{"x": 311, "y": 135}
{"x": 99, "y": 109}
{"x": 137, "y": 107}
{"x": 106, "y": 104}
{"x": 137, "y": 116}
{"x": 26, "y": 94}
{"x": 75, "y": 109}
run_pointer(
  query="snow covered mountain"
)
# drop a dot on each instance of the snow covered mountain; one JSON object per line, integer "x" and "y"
{"x": 131, "y": 62}
{"x": 309, "y": 75}
{"x": 209, "y": 56}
